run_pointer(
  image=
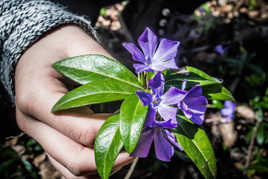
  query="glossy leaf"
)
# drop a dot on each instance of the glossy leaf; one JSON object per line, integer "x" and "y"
{"x": 132, "y": 117}
{"x": 201, "y": 74}
{"x": 260, "y": 134}
{"x": 107, "y": 146}
{"x": 196, "y": 145}
{"x": 88, "y": 68}
{"x": 217, "y": 92}
{"x": 217, "y": 104}
{"x": 193, "y": 76}
{"x": 211, "y": 86}
{"x": 95, "y": 92}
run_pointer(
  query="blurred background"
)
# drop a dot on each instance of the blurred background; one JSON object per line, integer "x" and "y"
{"x": 228, "y": 39}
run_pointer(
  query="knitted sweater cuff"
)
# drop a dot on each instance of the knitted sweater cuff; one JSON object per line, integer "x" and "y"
{"x": 22, "y": 24}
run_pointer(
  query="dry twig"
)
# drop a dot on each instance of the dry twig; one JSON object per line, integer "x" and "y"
{"x": 251, "y": 145}
{"x": 132, "y": 167}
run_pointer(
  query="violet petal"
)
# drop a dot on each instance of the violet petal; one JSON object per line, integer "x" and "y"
{"x": 173, "y": 140}
{"x": 148, "y": 43}
{"x": 146, "y": 98}
{"x": 166, "y": 50}
{"x": 157, "y": 84}
{"x": 169, "y": 124}
{"x": 220, "y": 49}
{"x": 229, "y": 104}
{"x": 150, "y": 120}
{"x": 141, "y": 68}
{"x": 143, "y": 146}
{"x": 135, "y": 52}
{"x": 226, "y": 111}
{"x": 163, "y": 65}
{"x": 198, "y": 118}
{"x": 167, "y": 112}
{"x": 198, "y": 104}
{"x": 163, "y": 149}
{"x": 192, "y": 114}
{"x": 173, "y": 96}
{"x": 195, "y": 91}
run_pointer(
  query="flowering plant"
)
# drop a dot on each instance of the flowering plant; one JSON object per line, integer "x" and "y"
{"x": 228, "y": 111}
{"x": 163, "y": 104}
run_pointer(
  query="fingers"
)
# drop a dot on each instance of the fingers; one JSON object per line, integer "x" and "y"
{"x": 65, "y": 172}
{"x": 38, "y": 87}
{"x": 45, "y": 90}
{"x": 78, "y": 124}
{"x": 72, "y": 155}
{"x": 64, "y": 136}
{"x": 77, "y": 158}
{"x": 68, "y": 175}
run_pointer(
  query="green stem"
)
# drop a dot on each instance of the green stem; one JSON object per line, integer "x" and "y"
{"x": 210, "y": 106}
{"x": 147, "y": 80}
{"x": 131, "y": 169}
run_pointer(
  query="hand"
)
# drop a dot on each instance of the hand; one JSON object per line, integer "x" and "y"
{"x": 67, "y": 138}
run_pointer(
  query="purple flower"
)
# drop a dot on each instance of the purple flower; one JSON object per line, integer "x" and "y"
{"x": 228, "y": 111}
{"x": 159, "y": 102}
{"x": 163, "y": 141}
{"x": 193, "y": 104}
{"x": 157, "y": 130}
{"x": 202, "y": 10}
{"x": 219, "y": 49}
{"x": 153, "y": 57}
{"x": 193, "y": 34}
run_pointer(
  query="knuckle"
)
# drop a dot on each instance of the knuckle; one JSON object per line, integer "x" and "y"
{"x": 20, "y": 123}
{"x": 87, "y": 137}
{"x": 84, "y": 137}
{"x": 25, "y": 102}
{"x": 76, "y": 168}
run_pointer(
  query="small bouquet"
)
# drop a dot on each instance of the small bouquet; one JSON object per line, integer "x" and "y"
{"x": 163, "y": 104}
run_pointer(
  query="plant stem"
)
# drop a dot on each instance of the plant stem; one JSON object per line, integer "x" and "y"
{"x": 211, "y": 106}
{"x": 147, "y": 80}
{"x": 251, "y": 145}
{"x": 131, "y": 169}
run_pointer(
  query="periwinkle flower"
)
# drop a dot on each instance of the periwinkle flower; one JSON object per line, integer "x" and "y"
{"x": 159, "y": 102}
{"x": 228, "y": 111}
{"x": 163, "y": 139}
{"x": 219, "y": 49}
{"x": 193, "y": 104}
{"x": 193, "y": 34}
{"x": 153, "y": 57}
{"x": 202, "y": 10}
{"x": 157, "y": 130}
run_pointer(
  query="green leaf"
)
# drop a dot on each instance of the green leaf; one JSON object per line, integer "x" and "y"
{"x": 4, "y": 165}
{"x": 196, "y": 145}
{"x": 259, "y": 165}
{"x": 88, "y": 68}
{"x": 217, "y": 92}
{"x": 107, "y": 146}
{"x": 259, "y": 115}
{"x": 103, "y": 12}
{"x": 266, "y": 92}
{"x": 217, "y": 104}
{"x": 201, "y": 74}
{"x": 211, "y": 86}
{"x": 95, "y": 92}
{"x": 192, "y": 75}
{"x": 132, "y": 117}
{"x": 260, "y": 134}
{"x": 29, "y": 167}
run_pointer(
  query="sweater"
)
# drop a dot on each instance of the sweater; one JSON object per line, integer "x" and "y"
{"x": 22, "y": 22}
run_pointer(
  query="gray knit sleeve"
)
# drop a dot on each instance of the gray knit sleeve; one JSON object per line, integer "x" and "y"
{"x": 22, "y": 22}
